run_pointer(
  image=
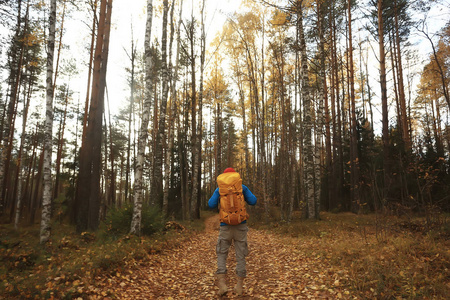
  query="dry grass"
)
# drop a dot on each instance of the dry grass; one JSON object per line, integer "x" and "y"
{"x": 385, "y": 257}
{"x": 379, "y": 257}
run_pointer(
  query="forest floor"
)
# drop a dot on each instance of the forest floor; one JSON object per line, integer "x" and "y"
{"x": 277, "y": 267}
{"x": 341, "y": 256}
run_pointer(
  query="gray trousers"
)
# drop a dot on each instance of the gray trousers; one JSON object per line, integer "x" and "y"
{"x": 228, "y": 234}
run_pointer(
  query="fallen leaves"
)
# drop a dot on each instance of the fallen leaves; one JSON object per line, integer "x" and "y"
{"x": 180, "y": 264}
{"x": 277, "y": 267}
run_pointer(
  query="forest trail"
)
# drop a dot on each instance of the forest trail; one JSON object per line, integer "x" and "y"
{"x": 277, "y": 268}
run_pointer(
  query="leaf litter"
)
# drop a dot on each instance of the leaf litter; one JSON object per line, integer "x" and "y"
{"x": 278, "y": 267}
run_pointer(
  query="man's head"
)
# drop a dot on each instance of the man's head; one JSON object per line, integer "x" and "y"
{"x": 229, "y": 170}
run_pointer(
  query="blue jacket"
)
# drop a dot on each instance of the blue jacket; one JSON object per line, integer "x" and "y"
{"x": 213, "y": 202}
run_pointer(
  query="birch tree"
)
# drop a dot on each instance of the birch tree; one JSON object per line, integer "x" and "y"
{"x": 308, "y": 148}
{"x": 143, "y": 132}
{"x": 47, "y": 196}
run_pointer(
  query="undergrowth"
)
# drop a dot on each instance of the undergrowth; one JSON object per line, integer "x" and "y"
{"x": 70, "y": 262}
{"x": 385, "y": 257}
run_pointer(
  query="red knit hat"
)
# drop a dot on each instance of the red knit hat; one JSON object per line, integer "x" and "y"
{"x": 229, "y": 170}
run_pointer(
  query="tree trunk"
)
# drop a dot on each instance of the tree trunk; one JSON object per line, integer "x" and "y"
{"x": 307, "y": 124}
{"x": 263, "y": 160}
{"x": 184, "y": 176}
{"x": 18, "y": 186}
{"x": 197, "y": 140}
{"x": 76, "y": 206}
{"x": 218, "y": 140}
{"x": 384, "y": 100}
{"x": 200, "y": 111}
{"x": 111, "y": 199}
{"x": 8, "y": 190}
{"x": 91, "y": 60}
{"x": 47, "y": 196}
{"x": 334, "y": 166}
{"x": 61, "y": 30}
{"x": 191, "y": 37}
{"x": 401, "y": 88}
{"x": 323, "y": 79}
{"x": 8, "y": 130}
{"x": 88, "y": 192}
{"x": 173, "y": 92}
{"x": 28, "y": 188}
{"x": 60, "y": 146}
{"x": 35, "y": 198}
{"x": 157, "y": 181}
{"x": 354, "y": 157}
{"x": 132, "y": 57}
{"x": 143, "y": 132}
{"x": 340, "y": 120}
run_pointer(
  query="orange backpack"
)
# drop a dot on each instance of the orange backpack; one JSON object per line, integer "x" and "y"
{"x": 232, "y": 204}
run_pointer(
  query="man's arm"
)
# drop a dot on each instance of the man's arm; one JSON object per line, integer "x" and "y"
{"x": 248, "y": 195}
{"x": 214, "y": 200}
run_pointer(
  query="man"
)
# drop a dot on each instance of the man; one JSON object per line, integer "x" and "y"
{"x": 230, "y": 195}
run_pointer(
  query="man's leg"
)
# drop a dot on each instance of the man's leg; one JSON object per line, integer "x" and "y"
{"x": 240, "y": 244}
{"x": 223, "y": 245}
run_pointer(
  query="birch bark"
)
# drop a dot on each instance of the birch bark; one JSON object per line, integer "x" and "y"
{"x": 143, "y": 132}
{"x": 307, "y": 121}
{"x": 47, "y": 189}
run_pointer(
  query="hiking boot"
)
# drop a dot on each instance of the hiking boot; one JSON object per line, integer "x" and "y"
{"x": 239, "y": 285}
{"x": 222, "y": 284}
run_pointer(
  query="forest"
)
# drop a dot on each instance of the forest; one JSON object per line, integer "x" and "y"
{"x": 324, "y": 107}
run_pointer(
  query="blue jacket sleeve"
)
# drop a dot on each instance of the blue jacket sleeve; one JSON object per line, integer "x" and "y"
{"x": 248, "y": 195}
{"x": 213, "y": 202}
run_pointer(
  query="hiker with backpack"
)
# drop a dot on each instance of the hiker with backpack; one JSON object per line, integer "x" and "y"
{"x": 230, "y": 197}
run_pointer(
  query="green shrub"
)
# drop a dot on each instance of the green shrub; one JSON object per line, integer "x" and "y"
{"x": 111, "y": 259}
{"x": 118, "y": 220}
{"x": 152, "y": 220}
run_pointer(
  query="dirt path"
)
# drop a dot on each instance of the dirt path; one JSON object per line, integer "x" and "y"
{"x": 277, "y": 268}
